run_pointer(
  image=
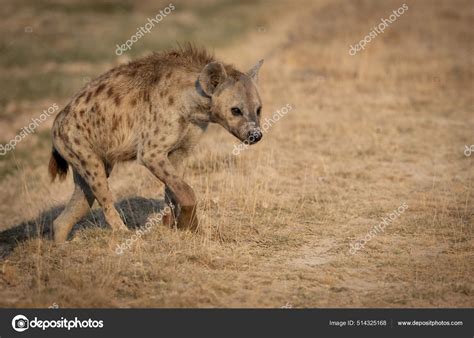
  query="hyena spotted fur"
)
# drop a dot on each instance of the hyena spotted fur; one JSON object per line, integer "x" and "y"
{"x": 153, "y": 111}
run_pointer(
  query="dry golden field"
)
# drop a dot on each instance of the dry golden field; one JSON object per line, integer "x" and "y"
{"x": 364, "y": 135}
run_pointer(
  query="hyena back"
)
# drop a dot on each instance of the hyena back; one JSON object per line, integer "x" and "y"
{"x": 152, "y": 110}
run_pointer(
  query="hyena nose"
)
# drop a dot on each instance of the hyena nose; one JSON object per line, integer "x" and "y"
{"x": 254, "y": 136}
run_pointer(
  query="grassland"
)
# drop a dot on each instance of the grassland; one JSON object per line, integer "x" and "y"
{"x": 366, "y": 133}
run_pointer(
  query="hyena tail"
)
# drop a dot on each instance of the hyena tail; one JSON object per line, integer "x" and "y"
{"x": 57, "y": 166}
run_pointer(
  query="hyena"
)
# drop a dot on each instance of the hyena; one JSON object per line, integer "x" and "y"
{"x": 154, "y": 111}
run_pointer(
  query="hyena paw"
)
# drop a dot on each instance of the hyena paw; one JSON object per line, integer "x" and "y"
{"x": 188, "y": 218}
{"x": 169, "y": 219}
{"x": 60, "y": 237}
{"x": 171, "y": 214}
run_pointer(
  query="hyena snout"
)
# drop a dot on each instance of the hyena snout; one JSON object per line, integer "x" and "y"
{"x": 254, "y": 135}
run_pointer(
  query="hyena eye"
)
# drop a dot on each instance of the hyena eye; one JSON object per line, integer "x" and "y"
{"x": 236, "y": 111}
{"x": 259, "y": 111}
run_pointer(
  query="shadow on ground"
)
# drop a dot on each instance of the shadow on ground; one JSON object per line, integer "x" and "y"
{"x": 134, "y": 211}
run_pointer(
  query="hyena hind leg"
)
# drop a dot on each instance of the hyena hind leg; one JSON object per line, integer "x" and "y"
{"x": 95, "y": 174}
{"x": 80, "y": 202}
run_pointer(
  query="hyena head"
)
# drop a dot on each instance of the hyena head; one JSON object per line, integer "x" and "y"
{"x": 235, "y": 102}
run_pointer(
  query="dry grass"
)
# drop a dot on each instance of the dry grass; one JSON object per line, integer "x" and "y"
{"x": 366, "y": 133}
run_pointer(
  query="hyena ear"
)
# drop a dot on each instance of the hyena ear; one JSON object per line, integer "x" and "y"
{"x": 253, "y": 72}
{"x": 211, "y": 76}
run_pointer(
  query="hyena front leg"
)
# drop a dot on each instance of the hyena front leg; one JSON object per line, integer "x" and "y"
{"x": 176, "y": 159}
{"x": 95, "y": 174}
{"x": 162, "y": 168}
{"x": 80, "y": 202}
{"x": 170, "y": 218}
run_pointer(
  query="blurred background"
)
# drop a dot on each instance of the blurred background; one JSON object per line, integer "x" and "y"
{"x": 365, "y": 134}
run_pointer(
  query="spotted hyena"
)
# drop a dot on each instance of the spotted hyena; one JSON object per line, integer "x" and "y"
{"x": 153, "y": 111}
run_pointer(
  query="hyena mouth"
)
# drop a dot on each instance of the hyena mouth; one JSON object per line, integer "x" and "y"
{"x": 254, "y": 136}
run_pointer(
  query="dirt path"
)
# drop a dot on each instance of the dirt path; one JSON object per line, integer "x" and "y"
{"x": 364, "y": 135}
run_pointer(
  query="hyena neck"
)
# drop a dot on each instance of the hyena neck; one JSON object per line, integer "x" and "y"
{"x": 199, "y": 106}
